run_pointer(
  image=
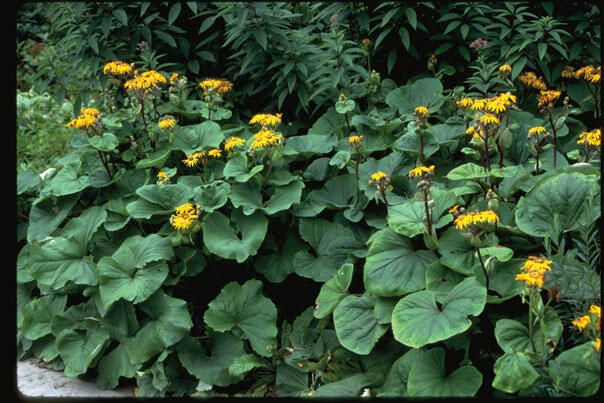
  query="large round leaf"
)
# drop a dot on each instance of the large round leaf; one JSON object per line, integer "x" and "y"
{"x": 558, "y": 200}
{"x": 333, "y": 291}
{"x": 427, "y": 377}
{"x": 514, "y": 371}
{"x": 244, "y": 307}
{"x": 393, "y": 267}
{"x": 577, "y": 370}
{"x": 423, "y": 92}
{"x": 417, "y": 320}
{"x": 513, "y": 336}
{"x": 356, "y": 328}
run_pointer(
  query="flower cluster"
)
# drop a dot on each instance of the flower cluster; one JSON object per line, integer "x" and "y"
{"x": 474, "y": 217}
{"x": 547, "y": 97}
{"x": 233, "y": 142}
{"x": 118, "y": 68}
{"x": 589, "y": 73}
{"x": 216, "y": 86}
{"x": 419, "y": 171}
{"x": 533, "y": 270}
{"x": 591, "y": 138}
{"x": 184, "y": 216}
{"x": 266, "y": 138}
{"x": 162, "y": 178}
{"x": 355, "y": 141}
{"x": 148, "y": 80}
{"x": 167, "y": 122}
{"x": 88, "y": 117}
{"x": 583, "y": 322}
{"x": 378, "y": 177}
{"x": 194, "y": 158}
{"x": 266, "y": 119}
{"x": 530, "y": 80}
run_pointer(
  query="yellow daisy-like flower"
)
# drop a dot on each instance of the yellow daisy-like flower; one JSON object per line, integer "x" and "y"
{"x": 465, "y": 102}
{"x": 589, "y": 73}
{"x": 537, "y": 130}
{"x": 479, "y": 104}
{"x": 355, "y": 140}
{"x": 233, "y": 142}
{"x": 191, "y": 160}
{"x": 187, "y": 208}
{"x": 266, "y": 119}
{"x": 378, "y": 176}
{"x": 220, "y": 86}
{"x": 592, "y": 138}
{"x": 117, "y": 68}
{"x": 496, "y": 105}
{"x": 167, "y": 123}
{"x": 488, "y": 118}
{"x": 568, "y": 72}
{"x": 145, "y": 81}
{"x": 507, "y": 98}
{"x": 474, "y": 217}
{"x": 421, "y": 111}
{"x": 265, "y": 138}
{"x": 184, "y": 216}
{"x": 505, "y": 68}
{"x": 453, "y": 209}
{"x": 530, "y": 80}
{"x": 597, "y": 344}
{"x": 594, "y": 309}
{"x": 163, "y": 176}
{"x": 582, "y": 322}
{"x": 531, "y": 278}
{"x": 216, "y": 153}
{"x": 421, "y": 170}
{"x": 548, "y": 97}
{"x": 366, "y": 42}
{"x": 87, "y": 118}
{"x": 539, "y": 264}
{"x": 173, "y": 77}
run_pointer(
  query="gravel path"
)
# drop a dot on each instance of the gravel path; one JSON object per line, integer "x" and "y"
{"x": 35, "y": 380}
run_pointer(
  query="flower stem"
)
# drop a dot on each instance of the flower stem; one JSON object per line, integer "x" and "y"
{"x": 554, "y": 141}
{"x": 484, "y": 269}
{"x": 428, "y": 221}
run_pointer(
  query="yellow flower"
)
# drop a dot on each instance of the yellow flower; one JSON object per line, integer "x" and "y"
{"x": 366, "y": 42}
{"x": 506, "y": 98}
{"x": 453, "y": 209}
{"x": 589, "y": 73}
{"x": 173, "y": 77}
{"x": 488, "y": 118}
{"x": 597, "y": 344}
{"x": 568, "y": 72}
{"x": 505, "y": 68}
{"x": 355, "y": 140}
{"x": 594, "y": 309}
{"x": 87, "y": 118}
{"x": 531, "y": 278}
{"x": 465, "y": 102}
{"x": 537, "y": 130}
{"x": 479, "y": 104}
{"x": 265, "y": 138}
{"x": 496, "y": 105}
{"x": 421, "y": 170}
{"x": 216, "y": 153}
{"x": 162, "y": 176}
{"x": 145, "y": 81}
{"x": 184, "y": 216}
{"x": 530, "y": 80}
{"x": 474, "y": 217}
{"x": 548, "y": 97}
{"x": 220, "y": 86}
{"x": 378, "y": 176}
{"x": 266, "y": 119}
{"x": 582, "y": 322}
{"x": 191, "y": 160}
{"x": 233, "y": 142}
{"x": 592, "y": 138}
{"x": 117, "y": 68}
{"x": 537, "y": 263}
{"x": 167, "y": 123}
{"x": 421, "y": 111}
{"x": 185, "y": 208}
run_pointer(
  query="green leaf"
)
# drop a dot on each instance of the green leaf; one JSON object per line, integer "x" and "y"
{"x": 331, "y": 242}
{"x": 195, "y": 138}
{"x": 356, "y": 328}
{"x": 244, "y": 307}
{"x": 345, "y": 106}
{"x": 557, "y": 199}
{"x": 396, "y": 381}
{"x": 338, "y": 192}
{"x": 78, "y": 349}
{"x": 513, "y": 336}
{"x": 174, "y": 12}
{"x": 467, "y": 171}
{"x": 310, "y": 144}
{"x": 423, "y": 92}
{"x": 249, "y": 197}
{"x": 427, "y": 377}
{"x": 213, "y": 370}
{"x": 237, "y": 169}
{"x": 212, "y": 196}
{"x": 411, "y": 17}
{"x": 577, "y": 370}
{"x": 417, "y": 320}
{"x": 393, "y": 267}
{"x": 106, "y": 142}
{"x": 333, "y": 291}
{"x": 169, "y": 322}
{"x": 135, "y": 271}
{"x": 350, "y": 386}
{"x": 513, "y": 371}
{"x": 38, "y": 315}
{"x": 244, "y": 364}
{"x": 66, "y": 181}
{"x": 221, "y": 239}
{"x": 441, "y": 280}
